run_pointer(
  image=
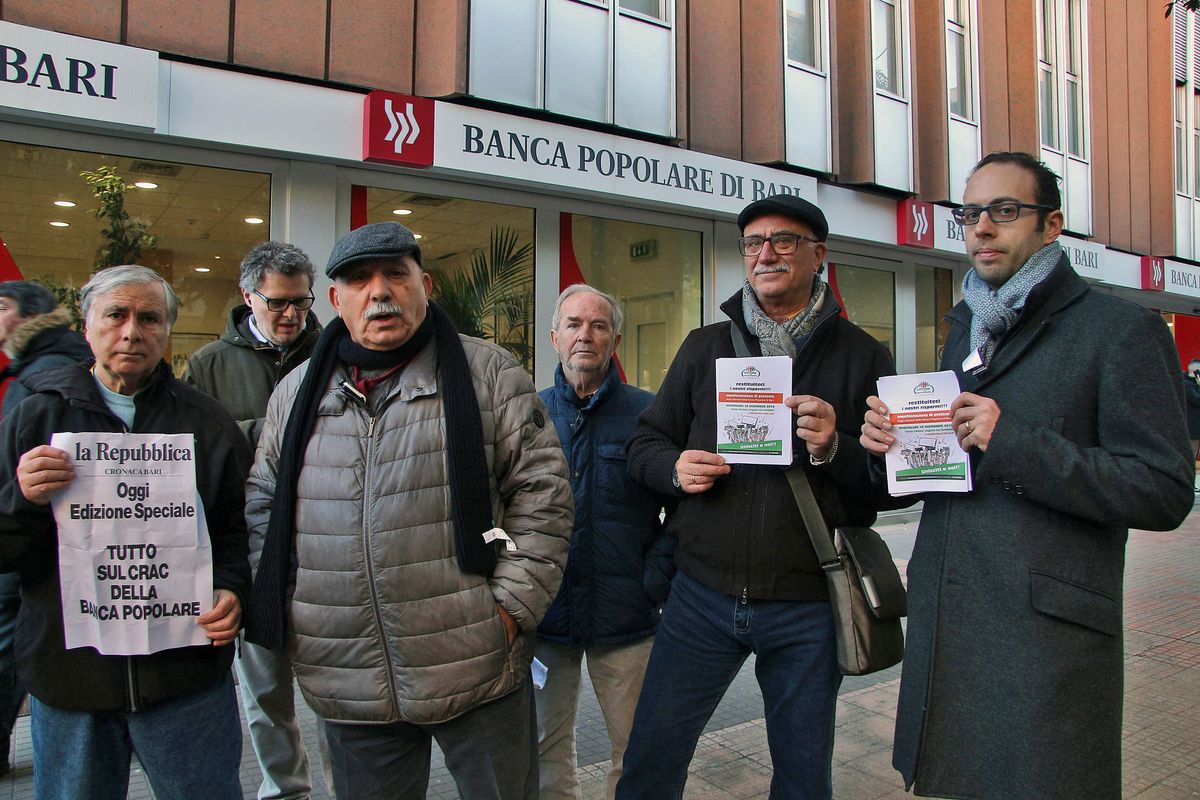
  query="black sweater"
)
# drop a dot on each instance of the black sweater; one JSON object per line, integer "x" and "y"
{"x": 745, "y": 536}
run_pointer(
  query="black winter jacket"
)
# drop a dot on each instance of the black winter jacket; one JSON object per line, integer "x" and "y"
{"x": 241, "y": 372}
{"x": 745, "y": 537}
{"x": 67, "y": 400}
{"x": 40, "y": 343}
{"x": 619, "y": 569}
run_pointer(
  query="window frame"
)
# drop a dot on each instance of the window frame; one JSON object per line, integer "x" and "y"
{"x": 1063, "y": 79}
{"x": 968, "y": 64}
{"x": 818, "y": 39}
{"x": 899, "y": 50}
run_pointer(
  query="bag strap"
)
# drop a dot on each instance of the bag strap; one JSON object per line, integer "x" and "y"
{"x": 740, "y": 346}
{"x": 813, "y": 521}
{"x": 798, "y": 480}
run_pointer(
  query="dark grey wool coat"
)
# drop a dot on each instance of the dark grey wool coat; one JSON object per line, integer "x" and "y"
{"x": 1012, "y": 678}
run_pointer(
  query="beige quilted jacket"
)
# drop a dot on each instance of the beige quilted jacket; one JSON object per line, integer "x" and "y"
{"x": 382, "y": 624}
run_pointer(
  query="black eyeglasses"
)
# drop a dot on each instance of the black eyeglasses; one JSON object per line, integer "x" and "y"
{"x": 281, "y": 303}
{"x": 997, "y": 212}
{"x": 781, "y": 243}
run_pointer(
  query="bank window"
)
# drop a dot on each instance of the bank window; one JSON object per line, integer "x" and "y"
{"x": 802, "y": 29}
{"x": 655, "y": 9}
{"x": 886, "y": 46}
{"x": 655, "y": 274}
{"x": 960, "y": 63}
{"x": 479, "y": 255}
{"x": 1196, "y": 143}
{"x": 201, "y": 221}
{"x": 1061, "y": 80}
{"x": 868, "y": 298}
{"x": 606, "y": 62}
{"x": 1048, "y": 104}
{"x": 935, "y": 297}
{"x": 1181, "y": 107}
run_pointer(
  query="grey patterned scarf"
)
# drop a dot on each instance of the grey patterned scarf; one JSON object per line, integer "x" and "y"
{"x": 993, "y": 311}
{"x": 774, "y": 338}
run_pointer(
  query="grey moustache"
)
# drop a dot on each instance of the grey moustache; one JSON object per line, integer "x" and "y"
{"x": 382, "y": 310}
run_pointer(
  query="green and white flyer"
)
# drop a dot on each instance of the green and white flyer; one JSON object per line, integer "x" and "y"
{"x": 753, "y": 424}
{"x": 926, "y": 456}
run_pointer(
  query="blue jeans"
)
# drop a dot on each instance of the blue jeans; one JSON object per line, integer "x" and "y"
{"x": 190, "y": 747}
{"x": 702, "y": 641}
{"x": 11, "y": 690}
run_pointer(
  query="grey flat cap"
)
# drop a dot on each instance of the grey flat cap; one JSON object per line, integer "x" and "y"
{"x": 378, "y": 240}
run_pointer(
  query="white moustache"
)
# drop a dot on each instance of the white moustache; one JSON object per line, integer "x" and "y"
{"x": 781, "y": 267}
{"x": 376, "y": 310}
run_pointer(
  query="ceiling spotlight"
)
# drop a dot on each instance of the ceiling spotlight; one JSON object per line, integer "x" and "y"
{"x": 202, "y": 269}
{"x": 64, "y": 204}
{"x": 218, "y": 258}
{"x": 401, "y": 212}
{"x": 254, "y": 220}
{"x": 146, "y": 184}
{"x": 58, "y": 223}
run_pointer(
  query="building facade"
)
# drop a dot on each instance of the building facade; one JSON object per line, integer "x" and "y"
{"x": 535, "y": 143}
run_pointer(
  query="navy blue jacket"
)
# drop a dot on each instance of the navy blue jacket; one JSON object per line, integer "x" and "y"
{"x": 620, "y": 565}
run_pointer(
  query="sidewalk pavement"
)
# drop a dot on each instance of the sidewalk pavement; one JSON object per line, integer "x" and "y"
{"x": 1162, "y": 704}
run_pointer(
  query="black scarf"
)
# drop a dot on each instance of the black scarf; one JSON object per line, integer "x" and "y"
{"x": 466, "y": 464}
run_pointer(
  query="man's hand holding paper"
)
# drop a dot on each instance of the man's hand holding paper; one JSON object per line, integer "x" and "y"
{"x": 43, "y": 470}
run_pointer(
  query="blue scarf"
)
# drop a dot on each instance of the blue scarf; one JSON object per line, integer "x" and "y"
{"x": 993, "y": 311}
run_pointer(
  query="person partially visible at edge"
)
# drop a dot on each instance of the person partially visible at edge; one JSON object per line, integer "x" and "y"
{"x": 620, "y": 567}
{"x": 175, "y": 708}
{"x": 749, "y": 580}
{"x": 1072, "y": 414}
{"x": 36, "y": 335}
{"x": 267, "y": 337}
{"x": 414, "y": 513}
{"x": 1191, "y": 392}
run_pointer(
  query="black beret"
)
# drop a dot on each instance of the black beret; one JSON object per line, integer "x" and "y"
{"x": 787, "y": 205}
{"x": 378, "y": 240}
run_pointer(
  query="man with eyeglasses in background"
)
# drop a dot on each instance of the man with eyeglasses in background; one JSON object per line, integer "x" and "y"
{"x": 1072, "y": 414}
{"x": 268, "y": 336}
{"x": 748, "y": 580}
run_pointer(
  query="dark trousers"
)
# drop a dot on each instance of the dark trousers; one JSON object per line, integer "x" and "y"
{"x": 702, "y": 641}
{"x": 491, "y": 752}
{"x": 11, "y": 690}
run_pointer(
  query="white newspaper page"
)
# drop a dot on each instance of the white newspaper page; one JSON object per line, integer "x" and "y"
{"x": 926, "y": 456}
{"x": 135, "y": 562}
{"x": 753, "y": 424}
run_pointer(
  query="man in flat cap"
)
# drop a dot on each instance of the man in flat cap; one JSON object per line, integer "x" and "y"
{"x": 413, "y": 509}
{"x": 748, "y": 580}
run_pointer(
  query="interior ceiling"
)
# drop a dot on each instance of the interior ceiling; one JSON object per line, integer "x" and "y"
{"x": 449, "y": 227}
{"x": 197, "y": 213}
{"x": 198, "y": 216}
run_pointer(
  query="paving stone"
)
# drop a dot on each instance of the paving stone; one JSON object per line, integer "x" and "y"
{"x": 733, "y": 762}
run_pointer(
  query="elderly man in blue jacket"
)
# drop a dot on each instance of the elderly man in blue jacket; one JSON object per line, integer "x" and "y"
{"x": 620, "y": 565}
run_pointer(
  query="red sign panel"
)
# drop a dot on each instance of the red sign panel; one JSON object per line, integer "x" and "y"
{"x": 914, "y": 223}
{"x": 1154, "y": 274}
{"x": 398, "y": 129}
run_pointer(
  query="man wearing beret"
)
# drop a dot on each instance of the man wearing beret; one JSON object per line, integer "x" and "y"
{"x": 748, "y": 580}
{"x": 413, "y": 509}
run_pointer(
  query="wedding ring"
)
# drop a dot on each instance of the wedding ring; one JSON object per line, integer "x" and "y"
{"x": 693, "y": 477}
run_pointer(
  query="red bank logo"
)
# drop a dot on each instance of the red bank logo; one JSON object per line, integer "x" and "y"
{"x": 1154, "y": 273}
{"x": 398, "y": 129}
{"x": 914, "y": 223}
